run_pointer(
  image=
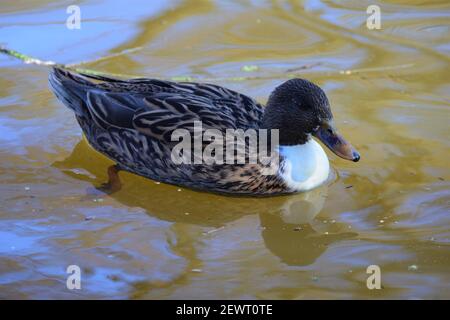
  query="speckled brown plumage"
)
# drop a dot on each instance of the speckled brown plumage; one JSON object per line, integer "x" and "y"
{"x": 131, "y": 122}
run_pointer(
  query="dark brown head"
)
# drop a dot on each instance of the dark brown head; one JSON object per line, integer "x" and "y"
{"x": 300, "y": 109}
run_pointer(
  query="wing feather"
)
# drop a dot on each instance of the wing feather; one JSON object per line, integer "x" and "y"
{"x": 157, "y": 108}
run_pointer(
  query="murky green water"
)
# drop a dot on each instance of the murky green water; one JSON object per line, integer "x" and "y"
{"x": 390, "y": 93}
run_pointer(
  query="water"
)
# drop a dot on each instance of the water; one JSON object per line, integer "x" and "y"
{"x": 390, "y": 94}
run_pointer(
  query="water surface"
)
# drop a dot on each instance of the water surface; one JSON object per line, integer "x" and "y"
{"x": 390, "y": 94}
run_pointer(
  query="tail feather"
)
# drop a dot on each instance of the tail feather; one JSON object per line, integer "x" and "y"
{"x": 70, "y": 88}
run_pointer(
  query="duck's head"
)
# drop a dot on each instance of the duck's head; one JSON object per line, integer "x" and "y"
{"x": 300, "y": 109}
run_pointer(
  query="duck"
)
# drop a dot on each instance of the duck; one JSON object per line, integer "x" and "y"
{"x": 133, "y": 121}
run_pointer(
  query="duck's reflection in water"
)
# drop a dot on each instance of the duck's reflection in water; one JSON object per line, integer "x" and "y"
{"x": 288, "y": 224}
{"x": 292, "y": 233}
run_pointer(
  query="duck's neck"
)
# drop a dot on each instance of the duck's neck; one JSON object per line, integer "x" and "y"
{"x": 304, "y": 166}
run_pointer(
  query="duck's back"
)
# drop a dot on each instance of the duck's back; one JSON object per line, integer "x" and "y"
{"x": 114, "y": 102}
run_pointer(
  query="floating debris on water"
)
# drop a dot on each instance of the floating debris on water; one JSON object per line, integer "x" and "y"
{"x": 197, "y": 270}
{"x": 348, "y": 187}
{"x": 88, "y": 218}
{"x": 186, "y": 213}
{"x": 27, "y": 188}
{"x": 413, "y": 267}
{"x": 303, "y": 67}
{"x": 315, "y": 278}
{"x": 298, "y": 229}
{"x": 250, "y": 68}
{"x": 212, "y": 231}
{"x": 98, "y": 200}
{"x": 182, "y": 78}
{"x": 113, "y": 277}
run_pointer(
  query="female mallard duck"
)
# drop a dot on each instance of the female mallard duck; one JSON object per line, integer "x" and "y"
{"x": 131, "y": 122}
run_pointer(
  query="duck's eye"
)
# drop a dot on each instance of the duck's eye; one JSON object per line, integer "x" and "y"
{"x": 330, "y": 131}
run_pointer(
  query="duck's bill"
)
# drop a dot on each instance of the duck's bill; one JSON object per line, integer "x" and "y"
{"x": 336, "y": 142}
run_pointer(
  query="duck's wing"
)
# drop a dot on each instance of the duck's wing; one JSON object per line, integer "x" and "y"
{"x": 157, "y": 115}
{"x": 169, "y": 112}
{"x": 156, "y": 108}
